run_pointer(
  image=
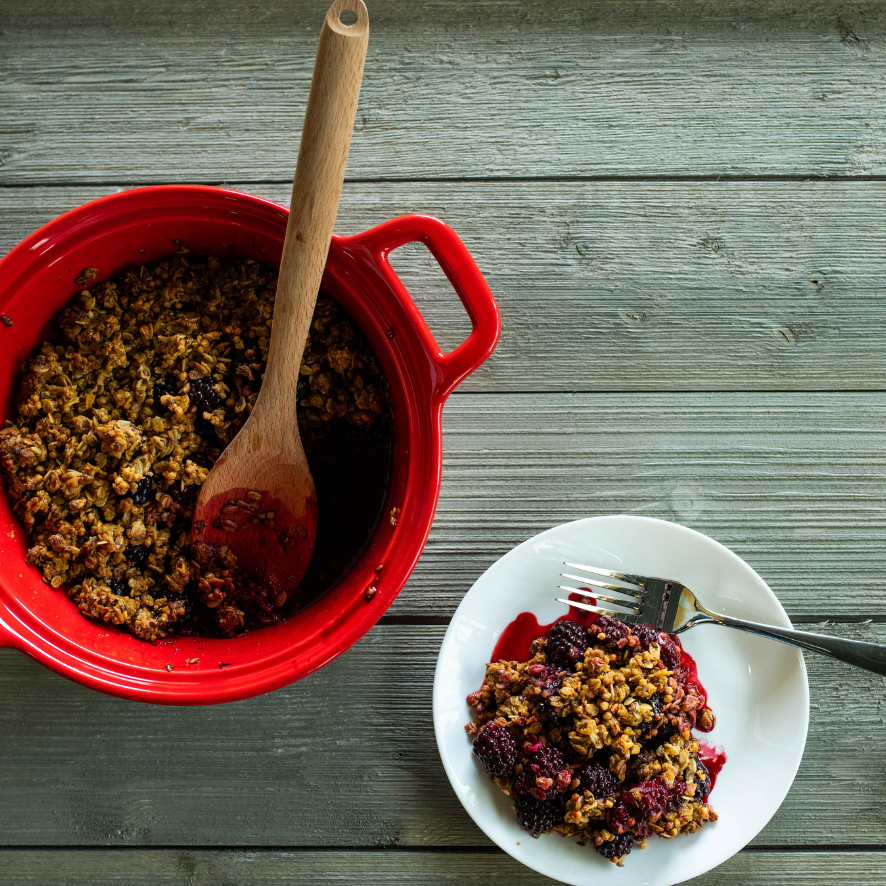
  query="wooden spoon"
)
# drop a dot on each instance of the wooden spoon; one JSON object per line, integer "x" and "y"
{"x": 259, "y": 498}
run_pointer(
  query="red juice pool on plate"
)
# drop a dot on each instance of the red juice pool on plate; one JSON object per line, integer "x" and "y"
{"x": 517, "y": 638}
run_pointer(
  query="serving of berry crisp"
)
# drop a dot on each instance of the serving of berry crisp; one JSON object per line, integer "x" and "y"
{"x": 592, "y": 736}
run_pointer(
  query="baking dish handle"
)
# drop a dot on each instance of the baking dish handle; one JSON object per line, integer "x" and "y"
{"x": 464, "y": 275}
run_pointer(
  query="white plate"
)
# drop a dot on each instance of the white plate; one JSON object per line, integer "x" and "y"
{"x": 757, "y": 688}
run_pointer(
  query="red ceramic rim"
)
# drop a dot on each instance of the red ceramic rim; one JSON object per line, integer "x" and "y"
{"x": 131, "y": 227}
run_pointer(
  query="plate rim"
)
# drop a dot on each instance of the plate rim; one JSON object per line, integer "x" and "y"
{"x": 438, "y": 679}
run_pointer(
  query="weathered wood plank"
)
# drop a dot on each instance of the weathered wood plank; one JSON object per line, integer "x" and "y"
{"x": 345, "y": 758}
{"x": 139, "y": 867}
{"x": 637, "y": 285}
{"x": 791, "y": 482}
{"x": 96, "y": 91}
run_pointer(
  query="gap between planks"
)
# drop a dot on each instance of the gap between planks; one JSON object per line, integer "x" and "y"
{"x": 456, "y": 180}
{"x": 220, "y": 866}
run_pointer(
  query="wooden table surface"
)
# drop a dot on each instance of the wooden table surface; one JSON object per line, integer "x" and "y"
{"x": 679, "y": 206}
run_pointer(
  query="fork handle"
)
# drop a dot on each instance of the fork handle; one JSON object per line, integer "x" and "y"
{"x": 870, "y": 656}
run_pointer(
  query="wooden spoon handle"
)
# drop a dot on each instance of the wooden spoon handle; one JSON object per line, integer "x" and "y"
{"x": 316, "y": 189}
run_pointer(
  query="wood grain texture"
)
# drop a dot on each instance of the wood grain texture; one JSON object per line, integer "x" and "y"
{"x": 634, "y": 285}
{"x": 791, "y": 482}
{"x": 184, "y": 867}
{"x": 171, "y": 91}
{"x": 346, "y": 757}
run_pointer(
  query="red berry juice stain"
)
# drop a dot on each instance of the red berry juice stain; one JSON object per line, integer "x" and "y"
{"x": 517, "y": 638}
{"x": 688, "y": 662}
{"x": 287, "y": 541}
{"x": 713, "y": 759}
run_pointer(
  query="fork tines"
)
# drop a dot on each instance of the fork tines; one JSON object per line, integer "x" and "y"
{"x": 628, "y": 592}
{"x": 626, "y": 577}
{"x": 629, "y": 613}
{"x": 632, "y": 596}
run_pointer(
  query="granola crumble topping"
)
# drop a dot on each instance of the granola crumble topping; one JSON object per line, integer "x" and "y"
{"x": 596, "y": 741}
{"x": 123, "y": 410}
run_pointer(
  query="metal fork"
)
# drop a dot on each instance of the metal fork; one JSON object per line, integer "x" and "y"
{"x": 671, "y": 607}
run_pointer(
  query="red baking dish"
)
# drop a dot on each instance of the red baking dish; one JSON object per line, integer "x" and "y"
{"x": 132, "y": 227}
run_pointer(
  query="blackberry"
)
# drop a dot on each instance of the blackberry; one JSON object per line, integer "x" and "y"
{"x": 143, "y": 490}
{"x": 496, "y": 749}
{"x": 657, "y": 704}
{"x": 615, "y": 633}
{"x": 136, "y": 554}
{"x": 185, "y": 498}
{"x": 603, "y": 756}
{"x": 646, "y": 635}
{"x": 670, "y": 651}
{"x": 548, "y": 681}
{"x": 536, "y": 816}
{"x": 119, "y": 587}
{"x": 622, "y": 817}
{"x": 161, "y": 388}
{"x": 202, "y": 396}
{"x": 669, "y": 645}
{"x": 548, "y": 760}
{"x": 599, "y": 780}
{"x": 702, "y": 788}
{"x": 651, "y": 799}
{"x": 543, "y": 764}
{"x": 646, "y": 802}
{"x": 616, "y": 848}
{"x": 567, "y": 642}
